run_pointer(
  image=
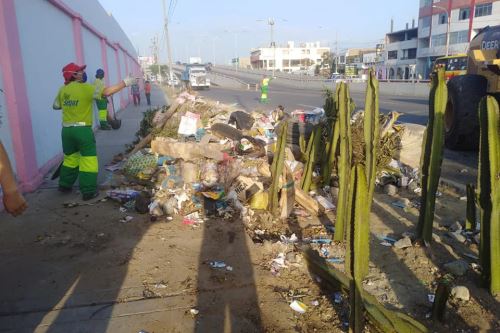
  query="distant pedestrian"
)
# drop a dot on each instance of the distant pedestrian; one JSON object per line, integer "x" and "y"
{"x": 147, "y": 91}
{"x": 75, "y": 99}
{"x": 264, "y": 89}
{"x": 136, "y": 93}
{"x": 13, "y": 200}
{"x": 101, "y": 102}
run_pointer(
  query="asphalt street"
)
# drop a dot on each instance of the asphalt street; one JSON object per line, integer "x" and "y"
{"x": 414, "y": 109}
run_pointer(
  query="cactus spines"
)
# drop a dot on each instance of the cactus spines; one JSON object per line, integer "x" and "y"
{"x": 443, "y": 291}
{"x": 358, "y": 243}
{"x": 277, "y": 168}
{"x": 371, "y": 130}
{"x": 311, "y": 156}
{"x": 489, "y": 192}
{"x": 432, "y": 156}
{"x": 470, "y": 220}
{"x": 331, "y": 110}
{"x": 344, "y": 164}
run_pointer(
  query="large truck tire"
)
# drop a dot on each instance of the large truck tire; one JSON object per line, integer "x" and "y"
{"x": 296, "y": 130}
{"x": 461, "y": 120}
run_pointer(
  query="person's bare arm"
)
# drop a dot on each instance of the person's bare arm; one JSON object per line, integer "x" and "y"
{"x": 108, "y": 91}
{"x": 13, "y": 200}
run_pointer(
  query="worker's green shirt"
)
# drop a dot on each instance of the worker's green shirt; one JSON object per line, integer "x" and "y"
{"x": 101, "y": 102}
{"x": 76, "y": 100}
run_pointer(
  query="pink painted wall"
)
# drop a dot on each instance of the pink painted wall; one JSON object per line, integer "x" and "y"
{"x": 30, "y": 82}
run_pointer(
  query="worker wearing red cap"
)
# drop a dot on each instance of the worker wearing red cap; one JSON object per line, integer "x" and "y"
{"x": 75, "y": 99}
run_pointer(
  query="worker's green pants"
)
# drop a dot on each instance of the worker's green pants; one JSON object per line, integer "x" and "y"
{"x": 80, "y": 159}
{"x": 103, "y": 118}
{"x": 102, "y": 106}
{"x": 263, "y": 95}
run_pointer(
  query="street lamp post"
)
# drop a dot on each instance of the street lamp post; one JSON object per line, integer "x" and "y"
{"x": 448, "y": 14}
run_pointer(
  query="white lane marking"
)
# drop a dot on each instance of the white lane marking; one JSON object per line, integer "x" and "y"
{"x": 307, "y": 106}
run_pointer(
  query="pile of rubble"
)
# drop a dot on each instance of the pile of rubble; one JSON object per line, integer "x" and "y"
{"x": 200, "y": 159}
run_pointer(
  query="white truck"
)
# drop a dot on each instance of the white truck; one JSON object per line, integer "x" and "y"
{"x": 195, "y": 60}
{"x": 195, "y": 77}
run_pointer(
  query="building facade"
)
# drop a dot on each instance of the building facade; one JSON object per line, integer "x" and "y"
{"x": 289, "y": 58}
{"x": 467, "y": 17}
{"x": 401, "y": 54}
{"x": 37, "y": 39}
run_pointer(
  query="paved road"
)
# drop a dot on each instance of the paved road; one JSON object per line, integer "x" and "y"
{"x": 459, "y": 168}
{"x": 414, "y": 109}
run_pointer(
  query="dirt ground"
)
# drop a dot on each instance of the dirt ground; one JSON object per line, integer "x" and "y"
{"x": 80, "y": 269}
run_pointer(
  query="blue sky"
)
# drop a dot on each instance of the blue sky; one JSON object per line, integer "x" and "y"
{"x": 221, "y": 29}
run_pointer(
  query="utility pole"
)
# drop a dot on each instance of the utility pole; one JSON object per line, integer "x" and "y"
{"x": 169, "y": 50}
{"x": 273, "y": 43}
{"x": 155, "y": 50}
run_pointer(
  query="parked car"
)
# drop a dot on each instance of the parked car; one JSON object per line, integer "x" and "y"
{"x": 336, "y": 78}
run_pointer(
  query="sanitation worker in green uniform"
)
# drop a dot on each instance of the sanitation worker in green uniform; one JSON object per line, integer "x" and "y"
{"x": 102, "y": 101}
{"x": 75, "y": 99}
{"x": 264, "y": 89}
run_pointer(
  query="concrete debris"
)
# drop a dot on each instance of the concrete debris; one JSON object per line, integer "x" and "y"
{"x": 391, "y": 190}
{"x": 403, "y": 243}
{"x": 457, "y": 267}
{"x": 461, "y": 293}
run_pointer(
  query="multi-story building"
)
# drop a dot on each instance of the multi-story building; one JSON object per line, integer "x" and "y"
{"x": 467, "y": 17}
{"x": 289, "y": 58}
{"x": 401, "y": 54}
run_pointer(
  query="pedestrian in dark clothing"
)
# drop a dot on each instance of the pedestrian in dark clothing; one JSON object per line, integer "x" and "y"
{"x": 136, "y": 93}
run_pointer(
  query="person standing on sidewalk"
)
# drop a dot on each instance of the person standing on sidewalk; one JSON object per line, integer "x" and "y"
{"x": 101, "y": 102}
{"x": 136, "y": 93}
{"x": 147, "y": 91}
{"x": 264, "y": 89}
{"x": 75, "y": 99}
{"x": 13, "y": 201}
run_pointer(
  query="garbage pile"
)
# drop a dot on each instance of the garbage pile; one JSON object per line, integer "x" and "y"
{"x": 200, "y": 159}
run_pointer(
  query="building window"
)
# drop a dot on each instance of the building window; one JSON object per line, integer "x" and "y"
{"x": 425, "y": 3}
{"x": 459, "y": 37}
{"x": 464, "y": 14}
{"x": 409, "y": 54}
{"x": 443, "y": 18}
{"x": 392, "y": 55}
{"x": 483, "y": 10}
{"x": 426, "y": 22}
{"x": 423, "y": 43}
{"x": 438, "y": 40}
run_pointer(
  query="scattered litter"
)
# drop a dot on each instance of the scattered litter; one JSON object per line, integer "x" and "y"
{"x": 298, "y": 306}
{"x": 335, "y": 260}
{"x": 337, "y": 297}
{"x": 315, "y": 303}
{"x": 327, "y": 205}
{"x": 126, "y": 219}
{"x": 220, "y": 264}
{"x": 194, "y": 311}
{"x": 287, "y": 240}
{"x": 431, "y": 298}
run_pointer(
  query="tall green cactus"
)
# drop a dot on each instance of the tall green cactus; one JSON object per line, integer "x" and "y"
{"x": 312, "y": 151}
{"x": 470, "y": 220}
{"x": 277, "y": 168}
{"x": 333, "y": 136}
{"x": 432, "y": 156}
{"x": 371, "y": 130}
{"x": 358, "y": 243}
{"x": 344, "y": 164}
{"x": 489, "y": 192}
